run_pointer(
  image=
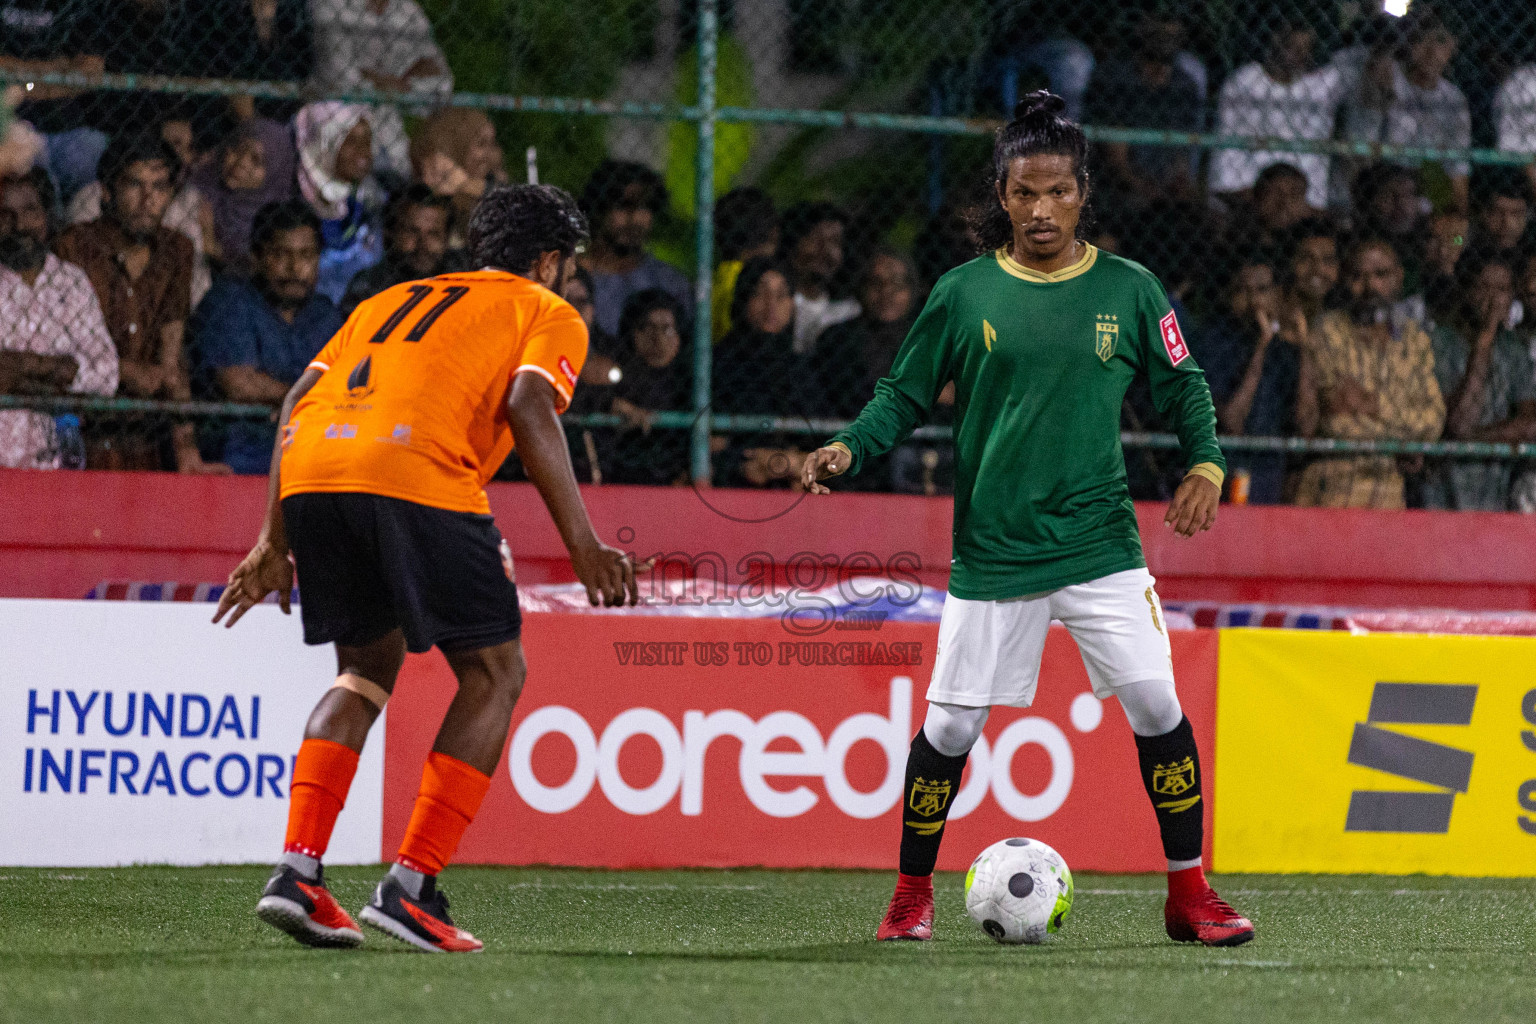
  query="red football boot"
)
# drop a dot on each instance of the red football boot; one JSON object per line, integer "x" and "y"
{"x": 1194, "y": 913}
{"x": 910, "y": 915}
{"x": 307, "y": 911}
{"x": 423, "y": 922}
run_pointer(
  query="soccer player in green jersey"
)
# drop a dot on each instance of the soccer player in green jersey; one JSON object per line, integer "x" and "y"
{"x": 1042, "y": 335}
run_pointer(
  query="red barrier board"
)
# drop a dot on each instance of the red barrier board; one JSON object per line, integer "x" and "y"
{"x": 719, "y": 742}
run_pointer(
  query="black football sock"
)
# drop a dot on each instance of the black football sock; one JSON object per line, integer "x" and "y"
{"x": 932, "y": 782}
{"x": 1170, "y": 769}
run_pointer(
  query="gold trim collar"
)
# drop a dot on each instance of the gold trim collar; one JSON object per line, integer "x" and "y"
{"x": 1023, "y": 273}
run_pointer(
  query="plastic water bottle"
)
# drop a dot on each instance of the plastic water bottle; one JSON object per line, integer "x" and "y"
{"x": 70, "y": 442}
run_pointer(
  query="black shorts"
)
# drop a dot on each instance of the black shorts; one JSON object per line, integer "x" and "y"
{"x": 367, "y": 564}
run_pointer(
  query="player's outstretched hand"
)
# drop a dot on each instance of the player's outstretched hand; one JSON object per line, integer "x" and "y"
{"x": 608, "y": 574}
{"x": 1194, "y": 506}
{"x": 264, "y": 570}
{"x": 822, "y": 464}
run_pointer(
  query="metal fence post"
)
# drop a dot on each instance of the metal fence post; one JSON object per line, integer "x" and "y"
{"x": 704, "y": 236}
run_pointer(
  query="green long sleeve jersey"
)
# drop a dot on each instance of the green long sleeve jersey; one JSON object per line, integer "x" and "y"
{"x": 1041, "y": 364}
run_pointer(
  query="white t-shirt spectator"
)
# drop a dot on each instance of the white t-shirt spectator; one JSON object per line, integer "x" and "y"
{"x": 57, "y": 316}
{"x": 1514, "y": 108}
{"x": 812, "y": 316}
{"x": 351, "y": 38}
{"x": 1433, "y": 118}
{"x": 1253, "y": 104}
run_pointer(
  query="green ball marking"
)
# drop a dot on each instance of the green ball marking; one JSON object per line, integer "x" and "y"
{"x": 970, "y": 876}
{"x": 1063, "y": 908}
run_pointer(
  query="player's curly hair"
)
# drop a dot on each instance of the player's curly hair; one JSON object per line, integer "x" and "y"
{"x": 515, "y": 224}
{"x": 1039, "y": 128}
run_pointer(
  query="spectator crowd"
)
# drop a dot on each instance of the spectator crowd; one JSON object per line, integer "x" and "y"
{"x": 159, "y": 247}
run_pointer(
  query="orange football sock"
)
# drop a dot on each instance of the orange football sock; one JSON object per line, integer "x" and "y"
{"x": 322, "y": 774}
{"x": 450, "y": 795}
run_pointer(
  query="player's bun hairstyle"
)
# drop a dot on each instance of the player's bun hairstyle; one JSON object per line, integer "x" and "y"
{"x": 1039, "y": 127}
{"x": 513, "y": 225}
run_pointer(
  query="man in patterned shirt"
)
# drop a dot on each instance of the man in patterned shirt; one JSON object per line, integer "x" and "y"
{"x": 1368, "y": 375}
{"x": 55, "y": 339}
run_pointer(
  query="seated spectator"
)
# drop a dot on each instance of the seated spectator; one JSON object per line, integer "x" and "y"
{"x": 335, "y": 146}
{"x": 1514, "y": 108}
{"x": 252, "y": 41}
{"x": 1251, "y": 355}
{"x": 186, "y": 214}
{"x": 599, "y": 366}
{"x": 949, "y": 238}
{"x": 811, "y": 245}
{"x": 1526, "y": 291}
{"x": 851, "y": 356}
{"x": 1311, "y": 268}
{"x": 1149, "y": 90}
{"x": 1443, "y": 242}
{"x": 385, "y": 45}
{"x": 1282, "y": 97}
{"x": 1279, "y": 204}
{"x": 1485, "y": 373}
{"x": 55, "y": 341}
{"x": 144, "y": 37}
{"x": 20, "y": 145}
{"x": 1502, "y": 213}
{"x": 254, "y": 166}
{"x": 746, "y": 227}
{"x": 455, "y": 152}
{"x": 142, "y": 274}
{"x": 623, "y": 202}
{"x": 1387, "y": 204}
{"x": 1368, "y": 375}
{"x": 757, "y": 370}
{"x": 258, "y": 336}
{"x": 657, "y": 376}
{"x": 1422, "y": 108}
{"x": 415, "y": 245}
{"x": 57, "y": 36}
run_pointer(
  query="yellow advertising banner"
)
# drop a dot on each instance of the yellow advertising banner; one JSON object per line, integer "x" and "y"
{"x": 1389, "y": 754}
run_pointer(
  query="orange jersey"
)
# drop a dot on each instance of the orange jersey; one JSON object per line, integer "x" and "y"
{"x": 412, "y": 402}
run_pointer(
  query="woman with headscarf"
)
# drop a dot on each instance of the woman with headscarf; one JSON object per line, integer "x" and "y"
{"x": 656, "y": 375}
{"x": 456, "y": 154}
{"x": 255, "y": 166}
{"x": 758, "y": 371}
{"x": 335, "y": 174}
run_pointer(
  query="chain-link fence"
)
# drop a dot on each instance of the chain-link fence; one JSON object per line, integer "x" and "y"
{"x": 1336, "y": 195}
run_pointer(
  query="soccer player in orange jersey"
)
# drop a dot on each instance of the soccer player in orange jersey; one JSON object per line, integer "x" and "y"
{"x": 378, "y": 493}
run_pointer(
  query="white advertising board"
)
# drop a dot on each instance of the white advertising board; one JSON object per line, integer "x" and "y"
{"x": 139, "y": 733}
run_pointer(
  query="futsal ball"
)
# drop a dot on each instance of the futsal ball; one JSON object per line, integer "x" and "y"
{"x": 1018, "y": 891}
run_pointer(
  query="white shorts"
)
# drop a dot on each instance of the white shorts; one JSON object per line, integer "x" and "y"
{"x": 989, "y": 651}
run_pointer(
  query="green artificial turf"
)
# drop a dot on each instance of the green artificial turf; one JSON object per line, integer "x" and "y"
{"x": 179, "y": 944}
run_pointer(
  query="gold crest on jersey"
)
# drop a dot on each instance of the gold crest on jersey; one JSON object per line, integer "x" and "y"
{"x": 1106, "y": 333}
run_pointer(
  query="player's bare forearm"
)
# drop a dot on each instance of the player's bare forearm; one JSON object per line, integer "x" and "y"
{"x": 541, "y": 447}
{"x": 822, "y": 464}
{"x": 272, "y": 531}
{"x": 607, "y": 573}
{"x": 267, "y": 568}
{"x": 1194, "y": 506}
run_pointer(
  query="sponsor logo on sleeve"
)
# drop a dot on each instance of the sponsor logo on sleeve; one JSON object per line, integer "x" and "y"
{"x": 1173, "y": 339}
{"x": 568, "y": 371}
